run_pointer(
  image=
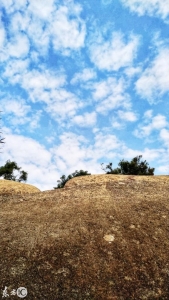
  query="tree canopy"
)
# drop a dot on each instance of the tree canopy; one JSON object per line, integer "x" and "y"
{"x": 135, "y": 167}
{"x": 7, "y": 171}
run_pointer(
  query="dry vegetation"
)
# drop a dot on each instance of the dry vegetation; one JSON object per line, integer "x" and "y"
{"x": 101, "y": 237}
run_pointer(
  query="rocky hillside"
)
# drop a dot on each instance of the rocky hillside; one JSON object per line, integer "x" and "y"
{"x": 100, "y": 237}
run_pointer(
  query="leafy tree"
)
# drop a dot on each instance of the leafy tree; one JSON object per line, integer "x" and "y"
{"x": 7, "y": 171}
{"x": 115, "y": 171}
{"x": 135, "y": 167}
{"x": 63, "y": 180}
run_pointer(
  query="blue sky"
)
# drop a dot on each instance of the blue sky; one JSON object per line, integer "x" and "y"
{"x": 83, "y": 83}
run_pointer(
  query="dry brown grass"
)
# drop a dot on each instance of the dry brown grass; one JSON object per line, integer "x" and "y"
{"x": 9, "y": 187}
{"x": 100, "y": 237}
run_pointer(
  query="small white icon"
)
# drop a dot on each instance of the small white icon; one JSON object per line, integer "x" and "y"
{"x": 4, "y": 293}
{"x": 21, "y": 292}
{"x": 13, "y": 292}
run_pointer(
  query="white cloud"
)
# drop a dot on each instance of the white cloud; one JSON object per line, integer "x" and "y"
{"x": 24, "y": 149}
{"x": 11, "y": 5}
{"x": 110, "y": 94}
{"x": 153, "y": 8}
{"x": 17, "y": 114}
{"x": 2, "y": 35}
{"x": 15, "y": 70}
{"x": 42, "y": 80}
{"x": 105, "y": 143}
{"x": 154, "y": 81}
{"x": 63, "y": 104}
{"x": 20, "y": 22}
{"x": 127, "y": 115}
{"x": 39, "y": 36}
{"x": 130, "y": 72}
{"x": 116, "y": 124}
{"x": 105, "y": 88}
{"x": 44, "y": 86}
{"x": 164, "y": 135}
{"x": 152, "y": 154}
{"x": 74, "y": 152}
{"x": 113, "y": 54}
{"x": 32, "y": 157}
{"x": 41, "y": 8}
{"x": 163, "y": 169}
{"x": 148, "y": 114}
{"x": 71, "y": 154}
{"x": 19, "y": 46}
{"x": 34, "y": 120}
{"x": 158, "y": 122}
{"x": 44, "y": 24}
{"x": 67, "y": 32}
{"x": 118, "y": 121}
{"x": 48, "y": 87}
{"x": 86, "y": 120}
{"x": 16, "y": 107}
{"x": 86, "y": 75}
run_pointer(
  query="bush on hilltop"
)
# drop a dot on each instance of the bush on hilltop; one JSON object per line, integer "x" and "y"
{"x": 135, "y": 167}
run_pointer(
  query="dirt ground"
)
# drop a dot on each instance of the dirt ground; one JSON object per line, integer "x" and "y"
{"x": 101, "y": 237}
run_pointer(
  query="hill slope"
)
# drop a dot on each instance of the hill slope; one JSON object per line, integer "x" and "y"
{"x": 100, "y": 237}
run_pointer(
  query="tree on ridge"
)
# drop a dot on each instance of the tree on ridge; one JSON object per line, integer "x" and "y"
{"x": 7, "y": 171}
{"x": 135, "y": 167}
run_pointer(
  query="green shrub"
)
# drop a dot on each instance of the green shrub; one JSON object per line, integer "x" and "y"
{"x": 7, "y": 172}
{"x": 135, "y": 167}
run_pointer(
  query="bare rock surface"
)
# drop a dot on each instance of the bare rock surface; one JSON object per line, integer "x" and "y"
{"x": 99, "y": 237}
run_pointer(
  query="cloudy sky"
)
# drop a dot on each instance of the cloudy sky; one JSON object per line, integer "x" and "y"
{"x": 83, "y": 83}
